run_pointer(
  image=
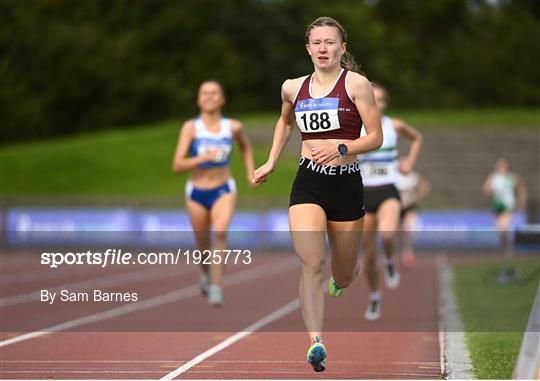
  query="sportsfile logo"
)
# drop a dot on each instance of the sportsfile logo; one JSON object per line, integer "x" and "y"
{"x": 108, "y": 257}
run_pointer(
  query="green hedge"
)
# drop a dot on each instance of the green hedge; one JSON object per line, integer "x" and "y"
{"x": 80, "y": 65}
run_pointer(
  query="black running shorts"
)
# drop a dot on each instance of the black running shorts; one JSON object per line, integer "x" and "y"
{"x": 337, "y": 189}
{"x": 410, "y": 208}
{"x": 375, "y": 196}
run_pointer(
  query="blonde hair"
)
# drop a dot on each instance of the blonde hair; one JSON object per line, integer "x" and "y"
{"x": 347, "y": 60}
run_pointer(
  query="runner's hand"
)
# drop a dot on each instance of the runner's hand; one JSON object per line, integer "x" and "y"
{"x": 211, "y": 154}
{"x": 250, "y": 181}
{"x": 261, "y": 174}
{"x": 324, "y": 155}
{"x": 405, "y": 166}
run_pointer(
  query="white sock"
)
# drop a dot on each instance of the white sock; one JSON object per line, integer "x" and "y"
{"x": 375, "y": 296}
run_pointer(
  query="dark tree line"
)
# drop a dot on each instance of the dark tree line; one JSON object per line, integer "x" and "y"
{"x": 76, "y": 65}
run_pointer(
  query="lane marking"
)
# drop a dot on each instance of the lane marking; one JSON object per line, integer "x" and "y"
{"x": 455, "y": 358}
{"x": 40, "y": 272}
{"x": 239, "y": 277}
{"x": 80, "y": 371}
{"x": 441, "y": 261}
{"x": 442, "y": 351}
{"x": 284, "y": 371}
{"x": 405, "y": 374}
{"x": 44, "y": 273}
{"x": 528, "y": 362}
{"x": 176, "y": 361}
{"x": 87, "y": 361}
{"x": 277, "y": 314}
{"x": 105, "y": 281}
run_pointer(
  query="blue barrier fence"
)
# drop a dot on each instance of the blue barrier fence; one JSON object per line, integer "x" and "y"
{"x": 146, "y": 227}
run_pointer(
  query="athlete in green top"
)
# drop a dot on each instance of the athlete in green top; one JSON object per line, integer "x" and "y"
{"x": 507, "y": 193}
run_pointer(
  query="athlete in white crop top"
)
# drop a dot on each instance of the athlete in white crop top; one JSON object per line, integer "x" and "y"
{"x": 204, "y": 149}
{"x": 380, "y": 169}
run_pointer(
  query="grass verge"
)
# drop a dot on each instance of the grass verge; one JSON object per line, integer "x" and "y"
{"x": 495, "y": 316}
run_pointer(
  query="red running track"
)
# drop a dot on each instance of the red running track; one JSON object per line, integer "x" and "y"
{"x": 164, "y": 336}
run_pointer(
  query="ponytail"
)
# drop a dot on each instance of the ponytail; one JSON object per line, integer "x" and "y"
{"x": 349, "y": 62}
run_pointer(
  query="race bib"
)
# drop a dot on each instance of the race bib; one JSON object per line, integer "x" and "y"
{"x": 223, "y": 151}
{"x": 377, "y": 169}
{"x": 317, "y": 115}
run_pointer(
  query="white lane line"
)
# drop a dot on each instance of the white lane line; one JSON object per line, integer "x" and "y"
{"x": 44, "y": 273}
{"x": 105, "y": 281}
{"x": 271, "y": 371}
{"x": 441, "y": 262}
{"x": 277, "y": 314}
{"x": 86, "y": 361}
{"x": 455, "y": 358}
{"x": 211, "y": 361}
{"x": 404, "y": 374}
{"x": 528, "y": 362}
{"x": 442, "y": 352}
{"x": 44, "y": 371}
{"x": 39, "y": 274}
{"x": 240, "y": 277}
{"x": 355, "y": 373}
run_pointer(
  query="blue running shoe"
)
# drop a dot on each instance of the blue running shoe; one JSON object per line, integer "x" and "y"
{"x": 316, "y": 356}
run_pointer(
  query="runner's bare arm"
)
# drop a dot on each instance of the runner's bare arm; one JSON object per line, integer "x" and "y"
{"x": 245, "y": 146}
{"x": 521, "y": 192}
{"x": 182, "y": 163}
{"x": 361, "y": 93}
{"x": 486, "y": 188}
{"x": 283, "y": 129}
{"x": 416, "y": 139}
